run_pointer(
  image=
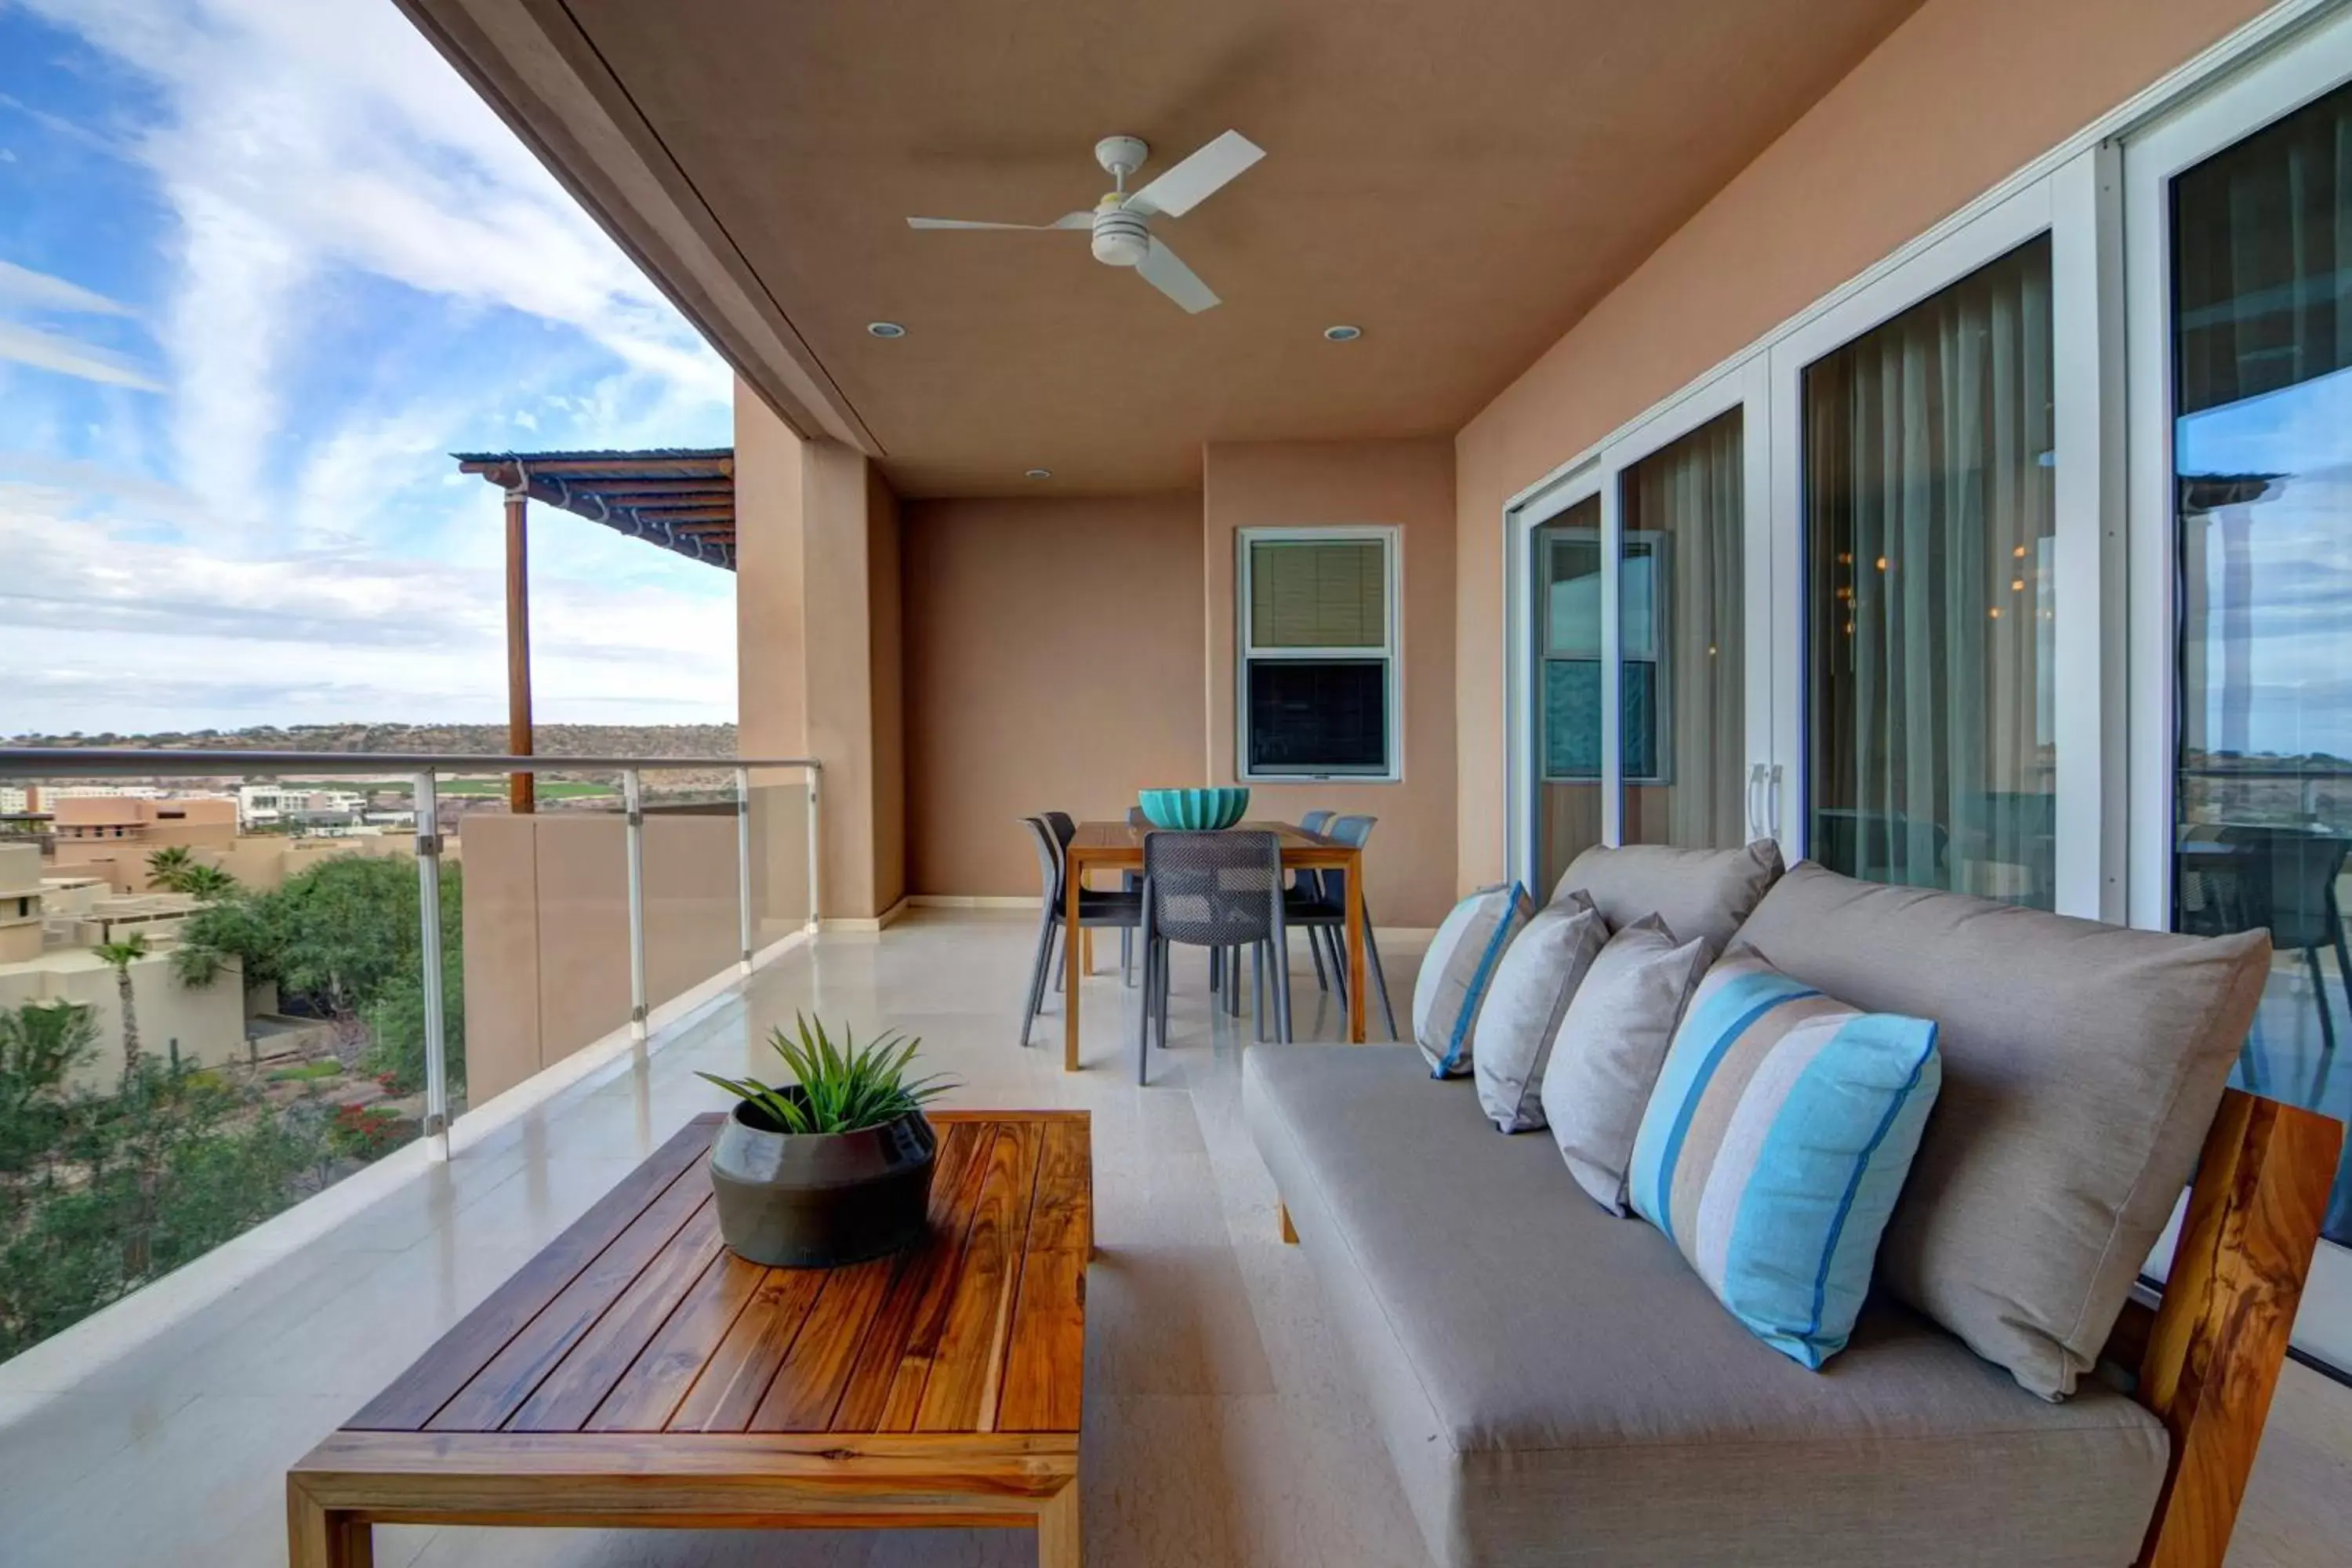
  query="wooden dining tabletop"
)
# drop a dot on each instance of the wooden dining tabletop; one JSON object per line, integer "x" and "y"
{"x": 1118, "y": 847}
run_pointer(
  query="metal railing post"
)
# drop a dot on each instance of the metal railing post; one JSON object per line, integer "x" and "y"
{"x": 427, "y": 803}
{"x": 743, "y": 861}
{"x": 816, "y": 883}
{"x": 632, "y": 802}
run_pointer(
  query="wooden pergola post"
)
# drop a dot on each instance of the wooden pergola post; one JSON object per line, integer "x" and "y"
{"x": 520, "y": 795}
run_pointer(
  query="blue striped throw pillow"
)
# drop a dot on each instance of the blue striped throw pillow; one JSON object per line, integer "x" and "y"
{"x": 1775, "y": 1144}
{"x": 1457, "y": 970}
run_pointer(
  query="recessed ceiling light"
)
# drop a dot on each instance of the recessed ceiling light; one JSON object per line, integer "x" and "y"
{"x": 1343, "y": 334}
{"x": 886, "y": 329}
{"x": 1038, "y": 474}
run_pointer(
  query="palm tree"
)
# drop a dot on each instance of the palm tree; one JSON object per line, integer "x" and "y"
{"x": 120, "y": 956}
{"x": 207, "y": 883}
{"x": 166, "y": 867}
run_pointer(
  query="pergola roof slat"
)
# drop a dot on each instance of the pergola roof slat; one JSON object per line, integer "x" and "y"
{"x": 680, "y": 497}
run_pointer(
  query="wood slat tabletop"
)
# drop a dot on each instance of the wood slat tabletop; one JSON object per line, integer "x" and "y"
{"x": 638, "y": 1320}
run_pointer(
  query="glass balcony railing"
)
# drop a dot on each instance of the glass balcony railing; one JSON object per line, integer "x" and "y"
{"x": 229, "y": 980}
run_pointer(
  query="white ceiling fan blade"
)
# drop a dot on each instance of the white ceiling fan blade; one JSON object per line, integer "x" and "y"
{"x": 1197, "y": 178}
{"x": 1067, "y": 220}
{"x": 1162, "y": 269}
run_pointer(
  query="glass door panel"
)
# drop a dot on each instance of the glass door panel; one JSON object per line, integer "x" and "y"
{"x": 1927, "y": 531}
{"x": 1682, "y": 590}
{"x": 1567, "y": 580}
{"x": 2261, "y": 335}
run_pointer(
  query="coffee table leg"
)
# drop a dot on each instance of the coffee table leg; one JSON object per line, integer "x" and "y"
{"x": 1057, "y": 1528}
{"x": 320, "y": 1537}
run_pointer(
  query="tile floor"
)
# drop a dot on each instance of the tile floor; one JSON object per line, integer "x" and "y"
{"x": 1222, "y": 1423}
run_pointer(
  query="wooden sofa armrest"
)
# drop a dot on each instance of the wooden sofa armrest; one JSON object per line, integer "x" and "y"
{"x": 2210, "y": 1355}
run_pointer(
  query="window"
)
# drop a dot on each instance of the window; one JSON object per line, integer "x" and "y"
{"x": 1930, "y": 521}
{"x": 1317, "y": 622}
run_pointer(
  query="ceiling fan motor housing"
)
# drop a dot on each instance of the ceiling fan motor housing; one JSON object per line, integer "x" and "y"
{"x": 1120, "y": 237}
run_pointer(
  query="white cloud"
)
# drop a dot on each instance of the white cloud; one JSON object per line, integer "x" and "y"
{"x": 71, "y": 356}
{"x": 304, "y": 137}
{"x": 298, "y": 148}
{"x": 115, "y": 631}
{"x": 23, "y": 286}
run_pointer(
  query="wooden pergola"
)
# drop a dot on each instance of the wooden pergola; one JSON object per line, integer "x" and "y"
{"x": 681, "y": 498}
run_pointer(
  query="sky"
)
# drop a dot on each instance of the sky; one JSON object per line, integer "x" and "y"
{"x": 2292, "y": 622}
{"x": 263, "y": 265}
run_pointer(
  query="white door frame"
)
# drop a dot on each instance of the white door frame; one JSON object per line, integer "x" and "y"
{"x": 2066, "y": 206}
{"x": 1523, "y": 765}
{"x": 2269, "y": 90}
{"x": 1742, "y": 385}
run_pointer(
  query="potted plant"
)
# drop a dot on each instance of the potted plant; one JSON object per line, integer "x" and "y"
{"x": 834, "y": 1167}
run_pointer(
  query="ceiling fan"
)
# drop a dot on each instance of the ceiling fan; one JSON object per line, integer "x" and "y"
{"x": 1122, "y": 236}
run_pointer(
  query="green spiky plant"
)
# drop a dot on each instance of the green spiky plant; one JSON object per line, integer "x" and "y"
{"x": 837, "y": 1088}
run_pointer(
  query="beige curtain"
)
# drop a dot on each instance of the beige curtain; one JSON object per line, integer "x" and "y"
{"x": 1929, "y": 518}
{"x": 1688, "y": 495}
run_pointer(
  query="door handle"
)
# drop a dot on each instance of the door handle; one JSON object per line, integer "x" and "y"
{"x": 1754, "y": 812}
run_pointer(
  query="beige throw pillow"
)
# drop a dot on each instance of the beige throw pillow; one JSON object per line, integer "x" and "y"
{"x": 1539, "y": 972}
{"x": 1610, "y": 1044}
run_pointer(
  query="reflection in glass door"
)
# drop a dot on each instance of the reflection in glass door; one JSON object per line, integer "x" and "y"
{"x": 1682, "y": 590}
{"x": 1568, "y": 693}
{"x": 1928, "y": 527}
{"x": 2261, "y": 337}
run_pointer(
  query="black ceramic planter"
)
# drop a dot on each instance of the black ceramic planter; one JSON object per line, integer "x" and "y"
{"x": 814, "y": 1200}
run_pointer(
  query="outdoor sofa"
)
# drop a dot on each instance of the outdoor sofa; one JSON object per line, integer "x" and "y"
{"x": 1556, "y": 1386}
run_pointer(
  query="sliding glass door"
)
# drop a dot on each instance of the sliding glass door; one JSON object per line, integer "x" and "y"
{"x": 2238, "y": 226}
{"x": 1930, "y": 614}
{"x": 1682, "y": 633}
{"x": 1642, "y": 685}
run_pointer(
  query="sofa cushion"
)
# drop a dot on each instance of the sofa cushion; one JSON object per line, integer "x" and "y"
{"x": 1557, "y": 1387}
{"x": 1457, "y": 970}
{"x": 1533, "y": 985}
{"x": 1774, "y": 1146}
{"x": 1606, "y": 1057}
{"x": 1702, "y": 893}
{"x": 2082, "y": 1064}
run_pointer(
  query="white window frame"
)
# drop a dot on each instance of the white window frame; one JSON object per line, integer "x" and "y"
{"x": 2264, "y": 92}
{"x": 1391, "y": 538}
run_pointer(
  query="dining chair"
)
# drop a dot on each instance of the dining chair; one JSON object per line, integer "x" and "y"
{"x": 1315, "y": 822}
{"x": 2285, "y": 880}
{"x": 1218, "y": 890}
{"x": 1132, "y": 882}
{"x": 1122, "y": 910}
{"x": 1322, "y": 908}
{"x": 1065, "y": 827}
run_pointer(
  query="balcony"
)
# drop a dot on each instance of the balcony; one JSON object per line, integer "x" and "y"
{"x": 1223, "y": 1424}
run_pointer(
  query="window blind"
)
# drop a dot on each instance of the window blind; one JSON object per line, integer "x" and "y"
{"x": 1319, "y": 594}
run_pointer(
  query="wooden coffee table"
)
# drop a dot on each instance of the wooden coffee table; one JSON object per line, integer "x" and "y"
{"x": 638, "y": 1373}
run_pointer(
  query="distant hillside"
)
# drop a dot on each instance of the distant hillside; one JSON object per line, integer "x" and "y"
{"x": 714, "y": 741}
{"x": 487, "y": 740}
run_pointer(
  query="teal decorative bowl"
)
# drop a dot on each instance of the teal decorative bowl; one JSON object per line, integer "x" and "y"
{"x": 1193, "y": 808}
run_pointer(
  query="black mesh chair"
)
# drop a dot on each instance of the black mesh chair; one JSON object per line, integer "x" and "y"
{"x": 1122, "y": 910}
{"x": 1307, "y": 882}
{"x": 1321, "y": 904}
{"x": 2284, "y": 878}
{"x": 1217, "y": 890}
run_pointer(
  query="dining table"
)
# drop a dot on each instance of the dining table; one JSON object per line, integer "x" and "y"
{"x": 1118, "y": 847}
